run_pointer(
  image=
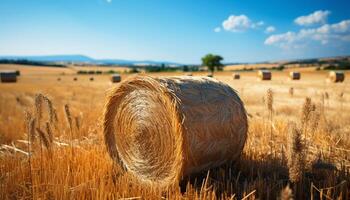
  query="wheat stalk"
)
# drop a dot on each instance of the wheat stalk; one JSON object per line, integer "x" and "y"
{"x": 269, "y": 104}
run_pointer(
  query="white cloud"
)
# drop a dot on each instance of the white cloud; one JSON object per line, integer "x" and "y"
{"x": 217, "y": 29}
{"x": 317, "y": 17}
{"x": 323, "y": 34}
{"x": 237, "y": 23}
{"x": 270, "y": 29}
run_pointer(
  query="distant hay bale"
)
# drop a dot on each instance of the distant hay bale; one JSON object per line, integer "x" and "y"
{"x": 18, "y": 73}
{"x": 210, "y": 75}
{"x": 75, "y": 79}
{"x": 162, "y": 129}
{"x": 264, "y": 75}
{"x": 91, "y": 79}
{"x": 116, "y": 78}
{"x": 189, "y": 74}
{"x": 294, "y": 75}
{"x": 58, "y": 79}
{"x": 336, "y": 76}
{"x": 8, "y": 76}
{"x": 236, "y": 76}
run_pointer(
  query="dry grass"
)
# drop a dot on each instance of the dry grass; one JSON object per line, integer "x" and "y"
{"x": 76, "y": 165}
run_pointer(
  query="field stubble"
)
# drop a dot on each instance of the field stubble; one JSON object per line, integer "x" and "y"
{"x": 297, "y": 146}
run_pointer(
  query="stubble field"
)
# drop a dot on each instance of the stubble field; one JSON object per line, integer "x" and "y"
{"x": 66, "y": 157}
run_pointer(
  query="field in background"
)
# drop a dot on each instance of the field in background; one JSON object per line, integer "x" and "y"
{"x": 74, "y": 163}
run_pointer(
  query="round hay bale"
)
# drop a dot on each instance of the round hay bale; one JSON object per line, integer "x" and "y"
{"x": 116, "y": 78}
{"x": 75, "y": 79}
{"x": 264, "y": 75}
{"x": 162, "y": 129}
{"x": 236, "y": 76}
{"x": 336, "y": 76}
{"x": 294, "y": 75}
{"x": 8, "y": 76}
{"x": 91, "y": 78}
{"x": 58, "y": 79}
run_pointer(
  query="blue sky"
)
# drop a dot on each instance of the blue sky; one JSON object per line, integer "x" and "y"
{"x": 176, "y": 30}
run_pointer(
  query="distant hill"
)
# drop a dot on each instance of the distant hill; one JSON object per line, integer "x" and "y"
{"x": 81, "y": 59}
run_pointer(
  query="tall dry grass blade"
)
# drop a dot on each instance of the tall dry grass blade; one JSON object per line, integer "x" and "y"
{"x": 30, "y": 131}
{"x": 269, "y": 104}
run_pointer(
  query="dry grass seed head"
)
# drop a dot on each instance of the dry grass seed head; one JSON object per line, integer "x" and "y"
{"x": 308, "y": 107}
{"x": 49, "y": 132}
{"x": 68, "y": 115}
{"x": 269, "y": 101}
{"x": 38, "y": 106}
{"x": 43, "y": 138}
{"x": 296, "y": 153}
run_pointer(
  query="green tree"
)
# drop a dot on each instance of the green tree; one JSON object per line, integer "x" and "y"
{"x": 212, "y": 61}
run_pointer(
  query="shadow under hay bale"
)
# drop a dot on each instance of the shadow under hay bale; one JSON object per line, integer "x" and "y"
{"x": 162, "y": 129}
{"x": 8, "y": 76}
{"x": 336, "y": 76}
{"x": 116, "y": 78}
{"x": 294, "y": 75}
{"x": 232, "y": 178}
{"x": 236, "y": 76}
{"x": 264, "y": 75}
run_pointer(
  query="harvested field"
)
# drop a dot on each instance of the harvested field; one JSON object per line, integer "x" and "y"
{"x": 54, "y": 148}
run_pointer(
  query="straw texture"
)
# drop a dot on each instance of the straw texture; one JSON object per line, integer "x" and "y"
{"x": 161, "y": 129}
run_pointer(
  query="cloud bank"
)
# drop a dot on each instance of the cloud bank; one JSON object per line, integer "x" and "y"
{"x": 323, "y": 35}
{"x": 317, "y": 17}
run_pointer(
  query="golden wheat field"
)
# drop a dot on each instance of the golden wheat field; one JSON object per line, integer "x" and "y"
{"x": 52, "y": 145}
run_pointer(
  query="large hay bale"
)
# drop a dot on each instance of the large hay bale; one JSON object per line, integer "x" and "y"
{"x": 294, "y": 75}
{"x": 264, "y": 75}
{"x": 336, "y": 76}
{"x": 162, "y": 129}
{"x": 8, "y": 76}
{"x": 116, "y": 78}
{"x": 236, "y": 76}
